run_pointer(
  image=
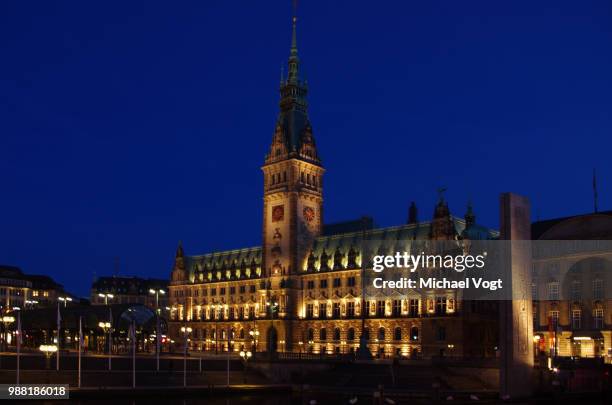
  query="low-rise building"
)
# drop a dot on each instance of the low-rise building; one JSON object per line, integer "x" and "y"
{"x": 130, "y": 290}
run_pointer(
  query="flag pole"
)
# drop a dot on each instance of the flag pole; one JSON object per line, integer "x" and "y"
{"x": 80, "y": 346}
{"x": 133, "y": 354}
{"x": 57, "y": 353}
{"x": 228, "y": 356}
{"x": 18, "y": 344}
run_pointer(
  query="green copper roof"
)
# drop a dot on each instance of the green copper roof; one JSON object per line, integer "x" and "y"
{"x": 340, "y": 251}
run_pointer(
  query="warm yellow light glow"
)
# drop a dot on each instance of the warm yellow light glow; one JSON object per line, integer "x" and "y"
{"x": 48, "y": 348}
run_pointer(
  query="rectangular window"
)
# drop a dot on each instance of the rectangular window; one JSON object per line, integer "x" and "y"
{"x": 440, "y": 305}
{"x": 337, "y": 282}
{"x": 351, "y": 282}
{"x": 241, "y": 312}
{"x": 397, "y": 307}
{"x": 576, "y": 316}
{"x": 336, "y": 309}
{"x": 553, "y": 291}
{"x": 598, "y": 289}
{"x": 252, "y": 289}
{"x": 350, "y": 309}
{"x": 232, "y": 290}
{"x": 222, "y": 291}
{"x": 323, "y": 311}
{"x": 598, "y": 318}
{"x": 204, "y": 293}
{"x": 576, "y": 290}
{"x": 380, "y": 308}
{"x": 242, "y": 289}
{"x": 309, "y": 311}
{"x": 414, "y": 307}
{"x": 231, "y": 313}
{"x": 554, "y": 319}
{"x": 310, "y": 284}
{"x": 323, "y": 283}
{"x": 213, "y": 291}
{"x": 368, "y": 308}
{"x": 251, "y": 312}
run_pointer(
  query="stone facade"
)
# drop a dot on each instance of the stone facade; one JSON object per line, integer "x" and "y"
{"x": 301, "y": 291}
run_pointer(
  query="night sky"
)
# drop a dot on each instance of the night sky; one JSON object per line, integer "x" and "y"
{"x": 126, "y": 126}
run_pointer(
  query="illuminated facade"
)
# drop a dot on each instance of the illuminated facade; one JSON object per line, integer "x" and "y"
{"x": 572, "y": 309}
{"x": 301, "y": 290}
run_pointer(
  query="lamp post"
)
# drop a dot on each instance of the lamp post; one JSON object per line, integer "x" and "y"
{"x": 157, "y": 292}
{"x": 255, "y": 336}
{"x": 106, "y": 297}
{"x": 107, "y": 327}
{"x": 31, "y": 303}
{"x": 245, "y": 358}
{"x": 48, "y": 350}
{"x": 6, "y": 321}
{"x": 65, "y": 300}
{"x": 186, "y": 330}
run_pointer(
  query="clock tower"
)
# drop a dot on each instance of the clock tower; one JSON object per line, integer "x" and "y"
{"x": 293, "y": 198}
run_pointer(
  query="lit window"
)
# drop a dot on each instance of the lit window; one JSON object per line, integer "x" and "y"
{"x": 553, "y": 291}
{"x": 576, "y": 316}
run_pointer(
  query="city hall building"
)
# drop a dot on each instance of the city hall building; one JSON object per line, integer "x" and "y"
{"x": 301, "y": 291}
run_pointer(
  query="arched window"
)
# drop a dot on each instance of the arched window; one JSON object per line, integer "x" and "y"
{"x": 351, "y": 334}
{"x": 310, "y": 334}
{"x": 414, "y": 333}
{"x": 397, "y": 334}
{"x": 381, "y": 334}
{"x": 323, "y": 334}
{"x": 337, "y": 334}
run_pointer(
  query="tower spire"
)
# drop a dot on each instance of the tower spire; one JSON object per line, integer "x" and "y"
{"x": 294, "y": 36}
{"x": 292, "y": 76}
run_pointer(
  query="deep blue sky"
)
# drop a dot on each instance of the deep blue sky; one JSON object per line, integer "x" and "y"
{"x": 126, "y": 126}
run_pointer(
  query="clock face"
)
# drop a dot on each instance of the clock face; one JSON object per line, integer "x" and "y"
{"x": 278, "y": 213}
{"x": 309, "y": 214}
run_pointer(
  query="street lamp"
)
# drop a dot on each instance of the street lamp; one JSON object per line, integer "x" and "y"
{"x": 31, "y": 303}
{"x": 245, "y": 358}
{"x": 48, "y": 350}
{"x": 255, "y": 336}
{"x": 106, "y": 297}
{"x": 65, "y": 300}
{"x": 6, "y": 321}
{"x": 157, "y": 292}
{"x": 107, "y": 327}
{"x": 186, "y": 330}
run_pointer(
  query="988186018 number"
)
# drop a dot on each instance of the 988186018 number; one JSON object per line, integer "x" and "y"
{"x": 34, "y": 391}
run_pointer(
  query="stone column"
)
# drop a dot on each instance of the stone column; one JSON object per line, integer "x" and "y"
{"x": 516, "y": 316}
